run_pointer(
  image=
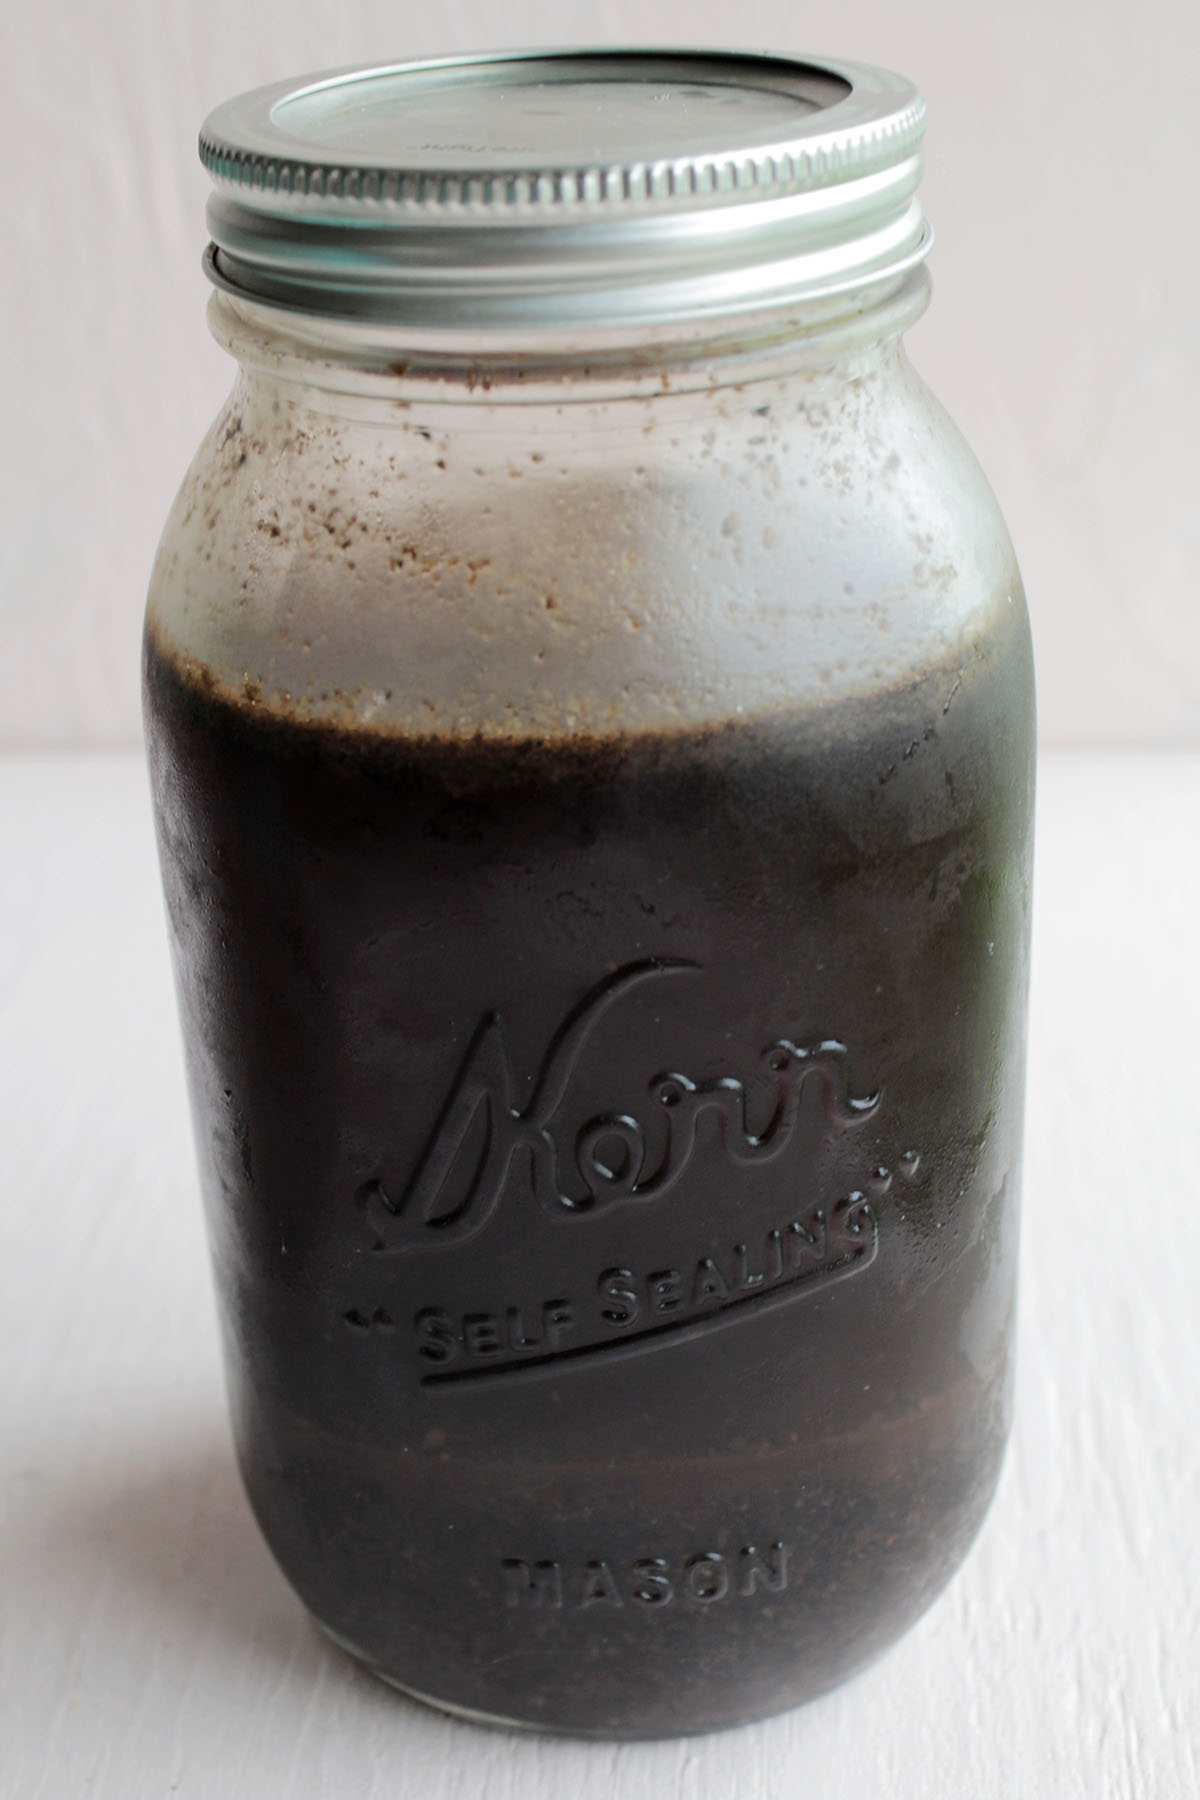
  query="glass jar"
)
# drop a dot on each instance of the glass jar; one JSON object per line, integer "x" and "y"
{"x": 589, "y": 705}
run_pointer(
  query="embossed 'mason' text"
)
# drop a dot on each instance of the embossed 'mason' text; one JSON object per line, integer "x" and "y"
{"x": 648, "y": 1583}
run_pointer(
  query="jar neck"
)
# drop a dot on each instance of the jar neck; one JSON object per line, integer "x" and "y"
{"x": 339, "y": 367}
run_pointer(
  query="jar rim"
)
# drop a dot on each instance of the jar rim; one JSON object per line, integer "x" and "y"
{"x": 565, "y": 190}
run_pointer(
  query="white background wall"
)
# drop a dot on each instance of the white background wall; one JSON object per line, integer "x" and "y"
{"x": 1062, "y": 160}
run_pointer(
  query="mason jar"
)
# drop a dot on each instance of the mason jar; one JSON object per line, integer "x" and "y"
{"x": 589, "y": 707}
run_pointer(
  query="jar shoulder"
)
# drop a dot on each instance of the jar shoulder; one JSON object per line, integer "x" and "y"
{"x": 493, "y": 568}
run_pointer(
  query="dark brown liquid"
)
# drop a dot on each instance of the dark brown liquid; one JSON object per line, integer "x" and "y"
{"x": 611, "y": 1152}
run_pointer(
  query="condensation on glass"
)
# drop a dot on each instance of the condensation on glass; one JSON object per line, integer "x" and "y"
{"x": 589, "y": 703}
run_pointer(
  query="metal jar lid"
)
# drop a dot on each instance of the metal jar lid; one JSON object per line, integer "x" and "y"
{"x": 565, "y": 190}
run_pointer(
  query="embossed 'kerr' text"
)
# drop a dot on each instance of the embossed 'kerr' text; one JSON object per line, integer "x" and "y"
{"x": 614, "y": 1156}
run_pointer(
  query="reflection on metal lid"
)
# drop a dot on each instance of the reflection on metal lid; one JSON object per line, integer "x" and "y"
{"x": 565, "y": 189}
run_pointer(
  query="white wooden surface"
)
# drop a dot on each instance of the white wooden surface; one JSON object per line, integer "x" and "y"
{"x": 147, "y": 1646}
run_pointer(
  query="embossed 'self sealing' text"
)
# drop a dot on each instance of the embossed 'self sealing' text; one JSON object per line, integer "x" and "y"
{"x": 634, "y": 1308}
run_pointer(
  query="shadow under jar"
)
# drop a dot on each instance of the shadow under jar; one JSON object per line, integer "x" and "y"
{"x": 589, "y": 707}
